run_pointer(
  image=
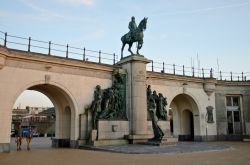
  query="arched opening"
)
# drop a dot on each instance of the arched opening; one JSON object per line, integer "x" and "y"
{"x": 170, "y": 115}
{"x": 185, "y": 118}
{"x": 64, "y": 113}
{"x": 33, "y": 110}
{"x": 188, "y": 125}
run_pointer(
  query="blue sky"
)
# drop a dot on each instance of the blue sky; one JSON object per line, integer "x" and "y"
{"x": 176, "y": 30}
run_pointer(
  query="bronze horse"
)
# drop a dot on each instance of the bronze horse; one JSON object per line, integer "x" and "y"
{"x": 136, "y": 36}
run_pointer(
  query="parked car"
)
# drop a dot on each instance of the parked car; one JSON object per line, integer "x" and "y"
{"x": 12, "y": 134}
{"x": 35, "y": 134}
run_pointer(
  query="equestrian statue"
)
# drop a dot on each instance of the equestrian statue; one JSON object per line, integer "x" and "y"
{"x": 134, "y": 35}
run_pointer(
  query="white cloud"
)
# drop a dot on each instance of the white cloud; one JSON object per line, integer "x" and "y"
{"x": 78, "y": 2}
{"x": 40, "y": 12}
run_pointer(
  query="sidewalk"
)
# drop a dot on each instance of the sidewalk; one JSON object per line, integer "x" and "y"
{"x": 231, "y": 153}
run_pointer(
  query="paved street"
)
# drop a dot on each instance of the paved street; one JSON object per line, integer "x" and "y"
{"x": 216, "y": 153}
{"x": 36, "y": 143}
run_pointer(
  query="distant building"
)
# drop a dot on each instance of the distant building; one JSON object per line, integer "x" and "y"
{"x": 40, "y": 118}
{"x": 36, "y": 110}
{"x": 18, "y": 114}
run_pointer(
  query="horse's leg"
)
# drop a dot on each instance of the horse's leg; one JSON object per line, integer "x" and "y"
{"x": 123, "y": 45}
{"x": 139, "y": 45}
{"x": 129, "y": 48}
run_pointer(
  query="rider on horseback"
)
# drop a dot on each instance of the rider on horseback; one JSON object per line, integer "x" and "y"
{"x": 134, "y": 35}
{"x": 132, "y": 27}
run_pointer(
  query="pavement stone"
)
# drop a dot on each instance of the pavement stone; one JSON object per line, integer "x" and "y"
{"x": 181, "y": 147}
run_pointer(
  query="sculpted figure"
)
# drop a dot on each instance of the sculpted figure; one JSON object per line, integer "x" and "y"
{"x": 155, "y": 96}
{"x": 149, "y": 91}
{"x": 96, "y": 105}
{"x": 158, "y": 133}
{"x": 106, "y": 103}
{"x": 161, "y": 109}
{"x": 165, "y": 112}
{"x": 117, "y": 101}
{"x": 209, "y": 115}
{"x": 132, "y": 27}
{"x": 110, "y": 103}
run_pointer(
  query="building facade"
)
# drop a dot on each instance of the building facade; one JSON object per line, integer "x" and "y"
{"x": 199, "y": 109}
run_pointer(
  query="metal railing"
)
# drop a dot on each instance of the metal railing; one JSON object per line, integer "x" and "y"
{"x": 55, "y": 49}
{"x": 182, "y": 70}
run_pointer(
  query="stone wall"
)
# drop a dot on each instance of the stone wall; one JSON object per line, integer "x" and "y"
{"x": 221, "y": 115}
{"x": 68, "y": 83}
{"x": 223, "y": 89}
{"x": 187, "y": 93}
{"x": 111, "y": 130}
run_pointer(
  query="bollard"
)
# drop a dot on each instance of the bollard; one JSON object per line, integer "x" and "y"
{"x": 100, "y": 56}
{"x": 29, "y": 44}
{"x": 5, "y": 39}
{"x": 211, "y": 73}
{"x": 183, "y": 68}
{"x": 193, "y": 72}
{"x": 152, "y": 65}
{"x": 83, "y": 54}
{"x": 163, "y": 68}
{"x": 49, "y": 48}
{"x": 67, "y": 52}
{"x": 174, "y": 68}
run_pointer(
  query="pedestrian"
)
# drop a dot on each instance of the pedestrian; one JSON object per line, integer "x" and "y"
{"x": 19, "y": 136}
{"x": 28, "y": 138}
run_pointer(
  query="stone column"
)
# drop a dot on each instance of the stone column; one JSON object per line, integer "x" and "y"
{"x": 5, "y": 120}
{"x": 5, "y": 111}
{"x": 136, "y": 99}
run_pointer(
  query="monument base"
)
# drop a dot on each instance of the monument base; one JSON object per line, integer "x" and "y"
{"x": 135, "y": 139}
{"x": 4, "y": 147}
{"x": 166, "y": 140}
{"x": 60, "y": 143}
{"x": 109, "y": 142}
{"x": 169, "y": 140}
{"x": 138, "y": 55}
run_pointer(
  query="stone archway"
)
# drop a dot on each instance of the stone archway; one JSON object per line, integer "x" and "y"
{"x": 65, "y": 109}
{"x": 65, "y": 113}
{"x": 185, "y": 116}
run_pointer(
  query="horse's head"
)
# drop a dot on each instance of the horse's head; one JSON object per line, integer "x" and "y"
{"x": 143, "y": 24}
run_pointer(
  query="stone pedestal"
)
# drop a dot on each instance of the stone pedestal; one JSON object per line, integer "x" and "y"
{"x": 93, "y": 135}
{"x": 60, "y": 143}
{"x": 136, "y": 99}
{"x": 4, "y": 147}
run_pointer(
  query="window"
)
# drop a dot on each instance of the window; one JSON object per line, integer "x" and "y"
{"x": 235, "y": 101}
{"x": 236, "y": 116}
{"x": 232, "y": 100}
{"x": 233, "y": 114}
{"x": 229, "y": 103}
